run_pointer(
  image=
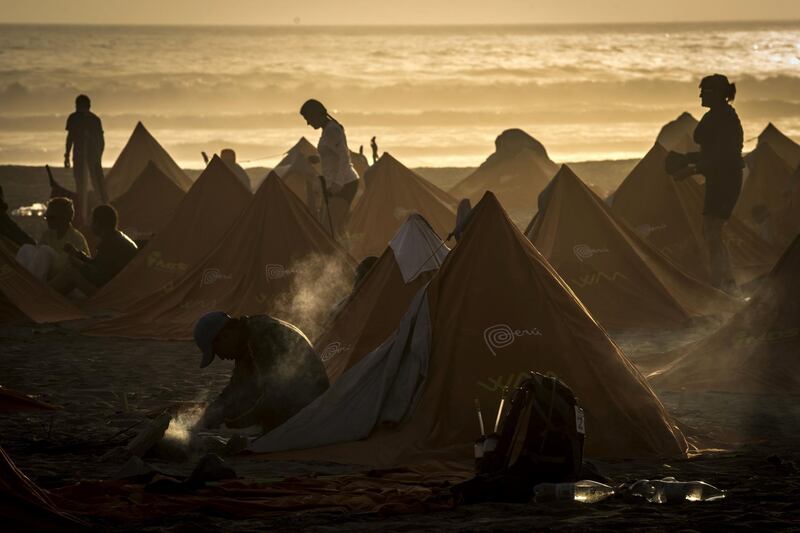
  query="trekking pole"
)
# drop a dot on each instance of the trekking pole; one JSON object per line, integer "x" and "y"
{"x": 500, "y": 409}
{"x": 480, "y": 416}
{"x": 327, "y": 205}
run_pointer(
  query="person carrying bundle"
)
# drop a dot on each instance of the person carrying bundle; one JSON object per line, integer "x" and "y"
{"x": 339, "y": 176}
{"x": 49, "y": 258}
{"x": 720, "y": 161}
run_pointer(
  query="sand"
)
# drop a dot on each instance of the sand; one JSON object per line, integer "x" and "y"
{"x": 87, "y": 377}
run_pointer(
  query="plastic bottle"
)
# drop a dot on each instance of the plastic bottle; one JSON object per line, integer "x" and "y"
{"x": 585, "y": 491}
{"x": 669, "y": 490}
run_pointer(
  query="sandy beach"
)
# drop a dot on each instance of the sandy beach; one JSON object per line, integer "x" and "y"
{"x": 106, "y": 386}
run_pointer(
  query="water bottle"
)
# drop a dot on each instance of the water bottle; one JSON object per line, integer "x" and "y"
{"x": 585, "y": 491}
{"x": 670, "y": 490}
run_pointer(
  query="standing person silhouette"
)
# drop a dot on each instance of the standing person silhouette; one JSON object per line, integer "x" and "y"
{"x": 374, "y": 145}
{"x": 86, "y": 142}
{"x": 341, "y": 179}
{"x": 720, "y": 137}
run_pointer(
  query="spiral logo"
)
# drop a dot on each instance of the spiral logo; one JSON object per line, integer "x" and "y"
{"x": 332, "y": 350}
{"x": 502, "y": 336}
{"x": 584, "y": 251}
{"x": 275, "y": 271}
{"x": 211, "y": 276}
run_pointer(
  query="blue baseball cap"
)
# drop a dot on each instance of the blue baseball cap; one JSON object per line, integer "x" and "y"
{"x": 206, "y": 330}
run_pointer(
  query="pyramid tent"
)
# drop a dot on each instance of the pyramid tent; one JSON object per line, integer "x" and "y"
{"x": 301, "y": 177}
{"x": 769, "y": 185}
{"x": 142, "y": 148}
{"x": 394, "y": 192}
{"x": 623, "y": 280}
{"x": 495, "y": 310}
{"x": 252, "y": 266}
{"x": 303, "y": 149}
{"x": 674, "y": 133}
{"x": 149, "y": 204}
{"x": 191, "y": 234}
{"x": 757, "y": 350}
{"x": 516, "y": 172}
{"x": 783, "y": 145}
{"x": 22, "y": 296}
{"x": 376, "y": 306}
{"x": 668, "y": 213}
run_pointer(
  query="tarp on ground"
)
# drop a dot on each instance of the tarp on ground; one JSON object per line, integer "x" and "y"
{"x": 768, "y": 187}
{"x": 208, "y": 210}
{"x": 26, "y": 507}
{"x": 495, "y": 310}
{"x": 674, "y": 133}
{"x": 782, "y": 144}
{"x": 22, "y": 296}
{"x": 516, "y": 172}
{"x": 757, "y": 350}
{"x": 622, "y": 279}
{"x": 141, "y": 148}
{"x": 254, "y": 264}
{"x": 392, "y": 193}
{"x": 149, "y": 204}
{"x": 669, "y": 214}
{"x": 377, "y": 305}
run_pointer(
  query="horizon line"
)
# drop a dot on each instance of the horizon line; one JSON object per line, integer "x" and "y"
{"x": 301, "y": 25}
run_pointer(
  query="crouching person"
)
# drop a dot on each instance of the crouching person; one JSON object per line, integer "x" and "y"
{"x": 276, "y": 372}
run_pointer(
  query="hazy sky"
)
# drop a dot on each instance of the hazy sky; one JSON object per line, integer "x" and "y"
{"x": 391, "y": 11}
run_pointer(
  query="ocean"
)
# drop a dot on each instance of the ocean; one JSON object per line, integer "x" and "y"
{"x": 433, "y": 96}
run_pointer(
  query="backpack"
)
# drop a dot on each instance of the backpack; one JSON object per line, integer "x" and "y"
{"x": 539, "y": 440}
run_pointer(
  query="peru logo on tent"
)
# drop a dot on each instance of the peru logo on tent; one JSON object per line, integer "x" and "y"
{"x": 332, "y": 350}
{"x": 645, "y": 230}
{"x": 276, "y": 271}
{"x": 584, "y": 251}
{"x": 502, "y": 336}
{"x": 212, "y": 275}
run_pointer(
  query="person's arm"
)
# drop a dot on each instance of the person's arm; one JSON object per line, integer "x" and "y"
{"x": 101, "y": 140}
{"x": 69, "y": 144}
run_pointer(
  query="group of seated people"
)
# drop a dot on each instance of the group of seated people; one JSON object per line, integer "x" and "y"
{"x": 61, "y": 257}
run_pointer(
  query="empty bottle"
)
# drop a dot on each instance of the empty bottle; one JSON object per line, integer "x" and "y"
{"x": 585, "y": 491}
{"x": 670, "y": 490}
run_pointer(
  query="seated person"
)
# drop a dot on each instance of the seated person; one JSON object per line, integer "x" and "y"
{"x": 49, "y": 258}
{"x": 229, "y": 157}
{"x": 8, "y": 228}
{"x": 277, "y": 371}
{"x": 114, "y": 251}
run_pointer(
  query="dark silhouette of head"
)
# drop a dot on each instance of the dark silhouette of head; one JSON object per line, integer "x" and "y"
{"x": 60, "y": 213}
{"x": 82, "y": 103}
{"x": 315, "y": 113}
{"x": 104, "y": 220}
{"x": 231, "y": 341}
{"x": 716, "y": 90}
{"x": 228, "y": 155}
{"x": 363, "y": 267}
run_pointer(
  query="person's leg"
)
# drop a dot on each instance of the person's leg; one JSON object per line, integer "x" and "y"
{"x": 341, "y": 206}
{"x": 81, "y": 186}
{"x": 69, "y": 279}
{"x": 98, "y": 180}
{"x": 719, "y": 260}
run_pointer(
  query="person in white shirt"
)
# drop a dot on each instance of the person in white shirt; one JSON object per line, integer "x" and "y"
{"x": 341, "y": 179}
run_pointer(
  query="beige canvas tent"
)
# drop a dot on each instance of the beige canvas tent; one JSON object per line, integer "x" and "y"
{"x": 783, "y": 145}
{"x": 757, "y": 351}
{"x": 673, "y": 134}
{"x": 392, "y": 193}
{"x": 766, "y": 194}
{"x": 140, "y": 149}
{"x": 205, "y": 213}
{"x": 149, "y": 204}
{"x": 375, "y": 308}
{"x": 495, "y": 310}
{"x": 622, "y": 279}
{"x": 516, "y": 172}
{"x": 25, "y": 298}
{"x": 668, "y": 213}
{"x": 253, "y": 265}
